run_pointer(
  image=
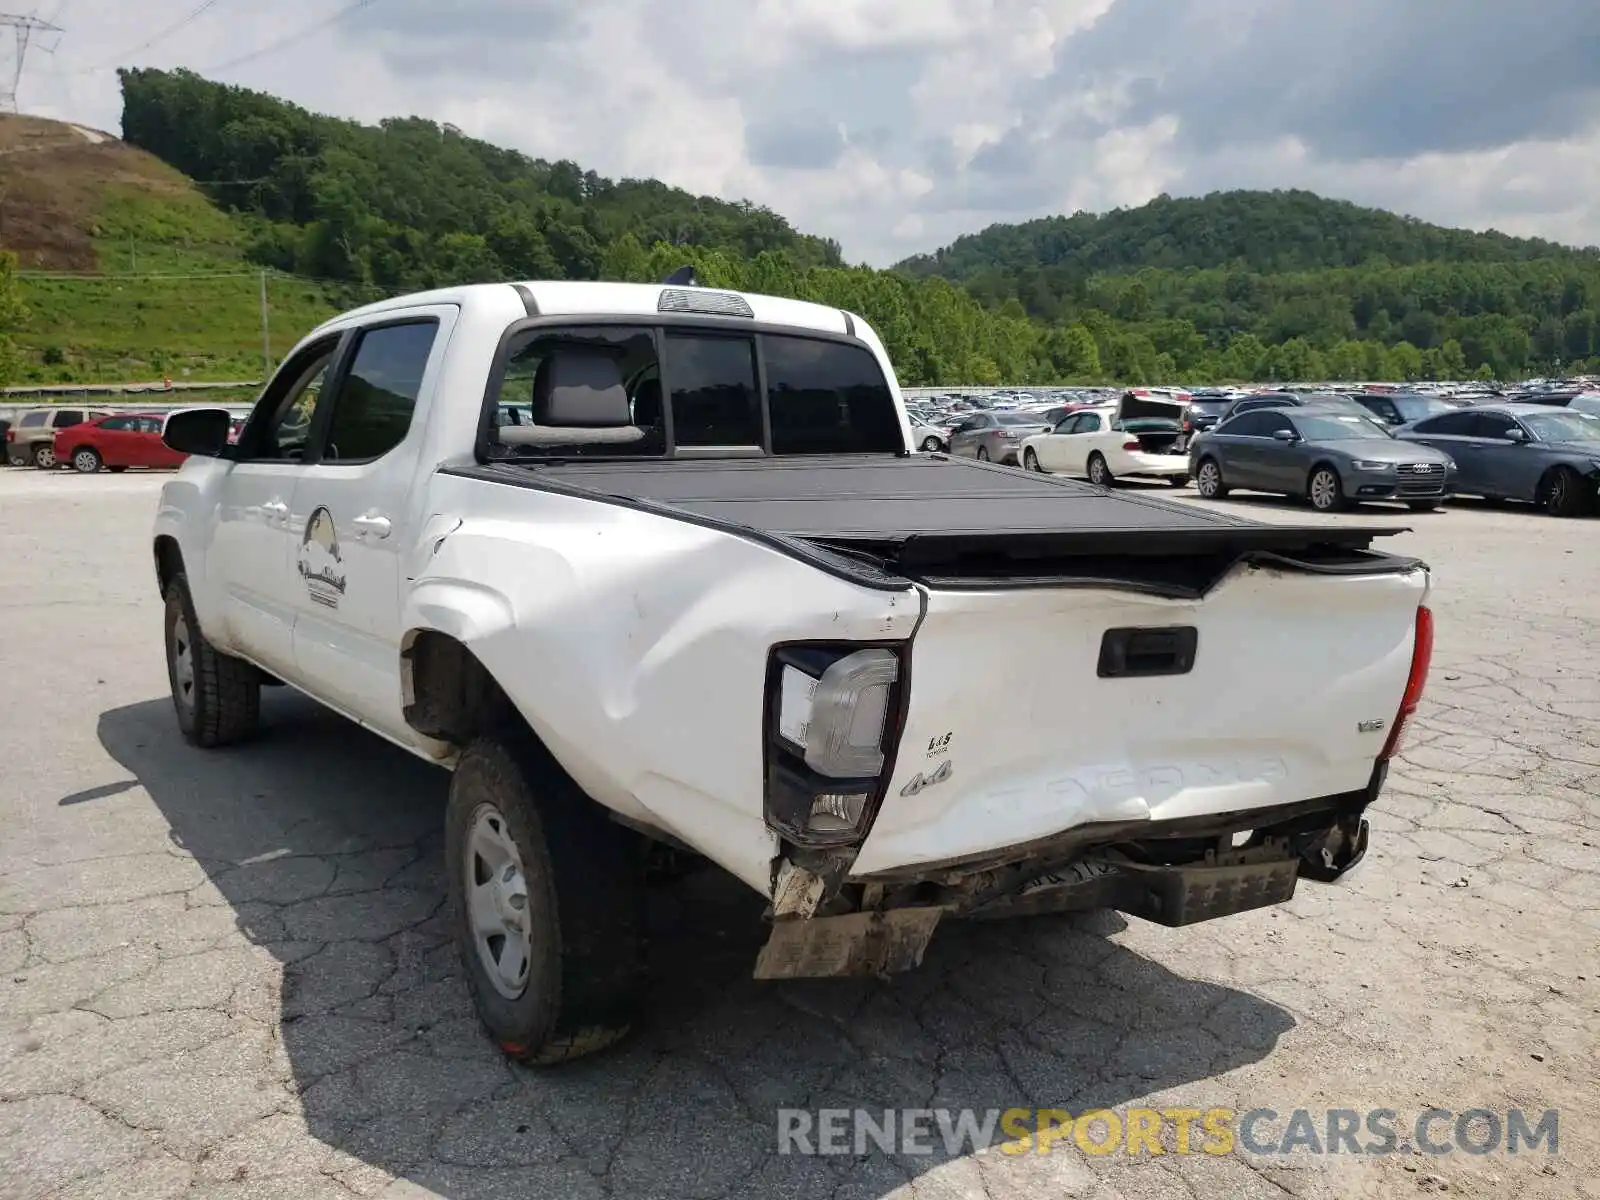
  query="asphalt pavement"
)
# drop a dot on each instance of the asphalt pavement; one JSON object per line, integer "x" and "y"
{"x": 226, "y": 974}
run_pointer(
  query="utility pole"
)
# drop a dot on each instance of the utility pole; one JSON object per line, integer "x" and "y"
{"x": 266, "y": 335}
{"x": 24, "y": 28}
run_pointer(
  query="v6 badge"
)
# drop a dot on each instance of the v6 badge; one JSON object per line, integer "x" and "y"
{"x": 922, "y": 783}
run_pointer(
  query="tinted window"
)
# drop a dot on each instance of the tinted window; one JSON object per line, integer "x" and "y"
{"x": 67, "y": 416}
{"x": 1491, "y": 425}
{"x": 1568, "y": 426}
{"x": 148, "y": 425}
{"x": 1250, "y": 424}
{"x": 372, "y": 411}
{"x": 1415, "y": 408}
{"x": 713, "y": 390}
{"x": 1457, "y": 424}
{"x": 1270, "y": 420}
{"x": 828, "y": 398}
{"x": 120, "y": 423}
{"x": 33, "y": 420}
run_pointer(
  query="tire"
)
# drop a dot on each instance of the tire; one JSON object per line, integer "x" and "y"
{"x": 44, "y": 457}
{"x": 17, "y": 460}
{"x": 1208, "y": 480}
{"x": 932, "y": 445}
{"x": 217, "y": 697}
{"x": 1563, "y": 494}
{"x": 86, "y": 460}
{"x": 983, "y": 454}
{"x": 1177, "y": 481}
{"x": 1099, "y": 473}
{"x": 1325, "y": 490}
{"x": 581, "y": 879}
{"x": 1030, "y": 461}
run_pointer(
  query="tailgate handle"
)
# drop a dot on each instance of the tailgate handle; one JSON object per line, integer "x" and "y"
{"x": 1164, "y": 650}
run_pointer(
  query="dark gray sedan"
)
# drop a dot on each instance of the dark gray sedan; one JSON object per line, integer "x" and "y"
{"x": 1331, "y": 457}
{"x": 1535, "y": 452}
{"x": 994, "y": 436}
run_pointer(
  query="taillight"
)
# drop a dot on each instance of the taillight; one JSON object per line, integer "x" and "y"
{"x": 1421, "y": 656}
{"x": 1132, "y": 444}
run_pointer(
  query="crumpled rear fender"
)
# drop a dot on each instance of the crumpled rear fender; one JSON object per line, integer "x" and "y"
{"x": 636, "y": 647}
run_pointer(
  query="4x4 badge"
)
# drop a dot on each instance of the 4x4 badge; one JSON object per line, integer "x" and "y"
{"x": 921, "y": 783}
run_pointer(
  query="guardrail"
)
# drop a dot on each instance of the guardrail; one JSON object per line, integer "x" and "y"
{"x": 162, "y": 386}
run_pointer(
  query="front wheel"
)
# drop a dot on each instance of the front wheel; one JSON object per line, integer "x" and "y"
{"x": 217, "y": 696}
{"x": 85, "y": 460}
{"x": 547, "y": 903}
{"x": 1564, "y": 495}
{"x": 1030, "y": 460}
{"x": 932, "y": 445}
{"x": 1325, "y": 491}
{"x": 1099, "y": 473}
{"x": 1208, "y": 480}
{"x": 44, "y": 457}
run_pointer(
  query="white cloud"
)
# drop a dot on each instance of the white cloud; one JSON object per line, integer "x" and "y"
{"x": 895, "y": 125}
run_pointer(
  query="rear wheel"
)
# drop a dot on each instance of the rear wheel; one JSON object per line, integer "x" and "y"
{"x": 86, "y": 460}
{"x": 217, "y": 696}
{"x": 983, "y": 454}
{"x": 547, "y": 896}
{"x": 16, "y": 460}
{"x": 1099, "y": 474}
{"x": 1324, "y": 490}
{"x": 1208, "y": 480}
{"x": 44, "y": 457}
{"x": 1564, "y": 494}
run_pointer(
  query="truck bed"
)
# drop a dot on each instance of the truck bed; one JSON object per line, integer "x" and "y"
{"x": 952, "y": 522}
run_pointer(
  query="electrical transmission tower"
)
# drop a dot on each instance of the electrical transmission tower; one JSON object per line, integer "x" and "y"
{"x": 24, "y": 28}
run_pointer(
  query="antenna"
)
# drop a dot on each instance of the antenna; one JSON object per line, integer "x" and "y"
{"x": 25, "y": 28}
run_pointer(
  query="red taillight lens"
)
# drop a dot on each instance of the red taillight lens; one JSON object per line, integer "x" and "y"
{"x": 1421, "y": 657}
{"x": 1132, "y": 444}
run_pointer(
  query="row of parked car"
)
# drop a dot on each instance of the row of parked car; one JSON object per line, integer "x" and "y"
{"x": 1332, "y": 449}
{"x": 87, "y": 439}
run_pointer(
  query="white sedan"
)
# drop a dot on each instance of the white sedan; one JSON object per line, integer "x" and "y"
{"x": 1098, "y": 444}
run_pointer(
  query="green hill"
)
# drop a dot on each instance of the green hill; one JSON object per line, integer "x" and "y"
{"x": 1253, "y": 231}
{"x": 83, "y": 211}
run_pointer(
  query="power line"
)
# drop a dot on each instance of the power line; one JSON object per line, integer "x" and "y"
{"x": 289, "y": 39}
{"x": 190, "y": 18}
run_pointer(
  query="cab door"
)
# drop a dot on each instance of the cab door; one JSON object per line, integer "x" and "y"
{"x": 352, "y": 516}
{"x": 251, "y": 558}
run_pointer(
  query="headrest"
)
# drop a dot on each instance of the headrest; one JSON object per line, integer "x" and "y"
{"x": 576, "y": 388}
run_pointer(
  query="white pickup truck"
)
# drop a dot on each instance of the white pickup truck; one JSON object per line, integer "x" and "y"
{"x": 654, "y": 565}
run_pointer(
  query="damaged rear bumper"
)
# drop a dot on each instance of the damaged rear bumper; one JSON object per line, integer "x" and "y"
{"x": 1172, "y": 873}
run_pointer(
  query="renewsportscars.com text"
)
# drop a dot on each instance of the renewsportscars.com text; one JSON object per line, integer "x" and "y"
{"x": 1134, "y": 1131}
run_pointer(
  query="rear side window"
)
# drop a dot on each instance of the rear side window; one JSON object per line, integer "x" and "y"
{"x": 1458, "y": 423}
{"x": 713, "y": 385}
{"x": 1250, "y": 424}
{"x": 827, "y": 398}
{"x": 33, "y": 420}
{"x": 372, "y": 410}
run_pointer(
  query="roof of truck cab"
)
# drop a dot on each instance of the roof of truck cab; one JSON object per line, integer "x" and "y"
{"x": 585, "y": 298}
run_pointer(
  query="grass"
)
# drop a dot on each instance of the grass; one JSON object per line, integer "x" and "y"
{"x": 109, "y": 210}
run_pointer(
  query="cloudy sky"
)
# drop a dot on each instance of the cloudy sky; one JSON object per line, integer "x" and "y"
{"x": 895, "y": 125}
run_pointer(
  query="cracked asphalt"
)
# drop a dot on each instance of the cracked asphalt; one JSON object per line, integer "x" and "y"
{"x": 226, "y": 974}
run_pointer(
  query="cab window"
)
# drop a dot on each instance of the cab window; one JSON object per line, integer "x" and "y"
{"x": 376, "y": 398}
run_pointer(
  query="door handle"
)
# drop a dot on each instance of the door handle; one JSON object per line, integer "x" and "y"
{"x": 373, "y": 525}
{"x": 275, "y": 511}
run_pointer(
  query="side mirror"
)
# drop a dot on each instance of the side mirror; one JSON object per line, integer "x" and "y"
{"x": 1285, "y": 435}
{"x": 202, "y": 431}
{"x": 1516, "y": 435}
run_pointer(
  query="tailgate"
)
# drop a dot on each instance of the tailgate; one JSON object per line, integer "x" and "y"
{"x": 1008, "y": 689}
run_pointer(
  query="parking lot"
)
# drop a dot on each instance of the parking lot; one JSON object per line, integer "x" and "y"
{"x": 226, "y": 974}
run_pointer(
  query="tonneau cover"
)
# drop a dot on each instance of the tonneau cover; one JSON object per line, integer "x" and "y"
{"x": 934, "y": 504}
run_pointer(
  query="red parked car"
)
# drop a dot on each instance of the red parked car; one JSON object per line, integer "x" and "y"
{"x": 119, "y": 441}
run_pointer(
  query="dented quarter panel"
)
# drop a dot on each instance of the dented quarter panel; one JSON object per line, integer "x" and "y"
{"x": 646, "y": 684}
